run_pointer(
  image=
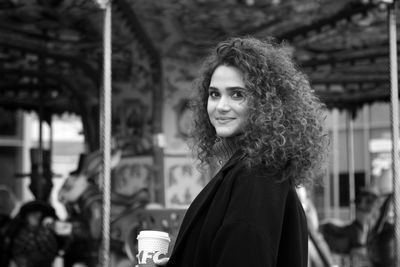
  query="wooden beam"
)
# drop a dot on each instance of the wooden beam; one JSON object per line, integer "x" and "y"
{"x": 33, "y": 48}
{"x": 346, "y": 13}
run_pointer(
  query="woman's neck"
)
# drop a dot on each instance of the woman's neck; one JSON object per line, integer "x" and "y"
{"x": 223, "y": 150}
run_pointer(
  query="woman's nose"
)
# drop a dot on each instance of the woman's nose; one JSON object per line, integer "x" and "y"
{"x": 223, "y": 104}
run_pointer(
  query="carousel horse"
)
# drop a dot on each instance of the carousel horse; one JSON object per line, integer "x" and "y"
{"x": 380, "y": 241}
{"x": 370, "y": 236}
{"x": 82, "y": 197}
{"x": 83, "y": 203}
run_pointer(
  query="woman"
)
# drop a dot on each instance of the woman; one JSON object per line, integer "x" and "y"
{"x": 260, "y": 127}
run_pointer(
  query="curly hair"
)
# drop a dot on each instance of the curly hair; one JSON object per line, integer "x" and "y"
{"x": 286, "y": 120}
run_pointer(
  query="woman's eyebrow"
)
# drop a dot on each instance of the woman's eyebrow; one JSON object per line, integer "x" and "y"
{"x": 233, "y": 88}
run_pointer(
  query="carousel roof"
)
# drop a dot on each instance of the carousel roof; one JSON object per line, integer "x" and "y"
{"x": 50, "y": 50}
{"x": 342, "y": 45}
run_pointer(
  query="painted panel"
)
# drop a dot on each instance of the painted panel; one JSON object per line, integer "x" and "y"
{"x": 183, "y": 181}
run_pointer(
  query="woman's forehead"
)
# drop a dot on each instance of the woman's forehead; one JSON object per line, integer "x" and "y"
{"x": 228, "y": 76}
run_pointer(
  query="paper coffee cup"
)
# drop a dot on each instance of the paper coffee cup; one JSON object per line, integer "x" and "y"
{"x": 152, "y": 245}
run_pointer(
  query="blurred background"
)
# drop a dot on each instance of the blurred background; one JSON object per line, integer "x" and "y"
{"x": 50, "y": 100}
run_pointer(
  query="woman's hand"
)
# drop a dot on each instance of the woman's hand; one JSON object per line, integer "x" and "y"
{"x": 159, "y": 262}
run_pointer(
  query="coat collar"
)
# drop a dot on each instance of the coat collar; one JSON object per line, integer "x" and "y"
{"x": 203, "y": 199}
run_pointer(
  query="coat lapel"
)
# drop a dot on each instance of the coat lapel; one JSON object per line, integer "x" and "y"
{"x": 203, "y": 200}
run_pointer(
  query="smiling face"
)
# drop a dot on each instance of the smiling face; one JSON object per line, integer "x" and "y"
{"x": 227, "y": 103}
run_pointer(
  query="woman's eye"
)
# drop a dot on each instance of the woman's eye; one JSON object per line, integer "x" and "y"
{"x": 237, "y": 95}
{"x": 213, "y": 94}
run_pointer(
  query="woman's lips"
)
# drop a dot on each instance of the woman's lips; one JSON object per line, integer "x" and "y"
{"x": 224, "y": 120}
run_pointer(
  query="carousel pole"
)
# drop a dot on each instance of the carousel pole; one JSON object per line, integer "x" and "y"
{"x": 105, "y": 130}
{"x": 350, "y": 164}
{"x": 395, "y": 121}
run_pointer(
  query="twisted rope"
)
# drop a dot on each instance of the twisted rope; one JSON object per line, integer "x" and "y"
{"x": 394, "y": 122}
{"x": 105, "y": 132}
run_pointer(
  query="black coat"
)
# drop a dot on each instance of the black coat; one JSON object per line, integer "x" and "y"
{"x": 243, "y": 218}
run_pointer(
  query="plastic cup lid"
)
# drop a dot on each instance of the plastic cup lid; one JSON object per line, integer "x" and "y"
{"x": 153, "y": 234}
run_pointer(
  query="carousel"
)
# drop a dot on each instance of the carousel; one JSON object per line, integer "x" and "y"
{"x": 118, "y": 65}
